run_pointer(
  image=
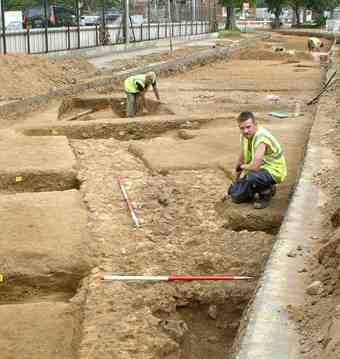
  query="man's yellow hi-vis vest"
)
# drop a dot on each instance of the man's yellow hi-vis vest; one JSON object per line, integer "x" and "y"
{"x": 316, "y": 41}
{"x": 273, "y": 160}
{"x": 130, "y": 84}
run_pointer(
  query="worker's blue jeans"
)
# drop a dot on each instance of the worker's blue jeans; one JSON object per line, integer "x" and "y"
{"x": 245, "y": 188}
{"x": 131, "y": 104}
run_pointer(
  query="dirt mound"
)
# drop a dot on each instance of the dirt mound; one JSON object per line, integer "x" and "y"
{"x": 259, "y": 54}
{"x": 270, "y": 54}
{"x": 140, "y": 61}
{"x": 28, "y": 75}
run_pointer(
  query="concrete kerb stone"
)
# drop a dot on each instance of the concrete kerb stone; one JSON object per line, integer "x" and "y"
{"x": 266, "y": 330}
{"x": 105, "y": 82}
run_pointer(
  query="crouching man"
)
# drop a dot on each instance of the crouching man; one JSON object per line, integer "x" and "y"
{"x": 135, "y": 87}
{"x": 261, "y": 164}
{"x": 314, "y": 44}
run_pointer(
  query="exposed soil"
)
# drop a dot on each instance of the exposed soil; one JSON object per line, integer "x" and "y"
{"x": 23, "y": 76}
{"x": 176, "y": 183}
{"x": 28, "y": 75}
{"x": 140, "y": 61}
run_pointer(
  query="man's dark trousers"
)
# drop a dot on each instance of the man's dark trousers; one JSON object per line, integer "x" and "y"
{"x": 245, "y": 188}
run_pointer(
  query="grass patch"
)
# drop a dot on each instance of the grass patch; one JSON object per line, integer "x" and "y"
{"x": 229, "y": 33}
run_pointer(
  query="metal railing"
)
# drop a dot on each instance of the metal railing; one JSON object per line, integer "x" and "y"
{"x": 146, "y": 21}
{"x": 33, "y": 41}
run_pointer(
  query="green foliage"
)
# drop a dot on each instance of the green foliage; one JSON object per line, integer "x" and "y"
{"x": 321, "y": 20}
{"x": 276, "y": 7}
{"x": 229, "y": 33}
{"x": 231, "y": 3}
{"x": 320, "y": 6}
{"x": 236, "y": 3}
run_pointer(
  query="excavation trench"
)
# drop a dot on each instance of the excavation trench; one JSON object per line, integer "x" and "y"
{"x": 176, "y": 181}
{"x": 174, "y": 168}
{"x": 58, "y": 287}
{"x": 204, "y": 330}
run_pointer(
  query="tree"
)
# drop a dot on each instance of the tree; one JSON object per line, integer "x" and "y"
{"x": 230, "y": 18}
{"x": 276, "y": 7}
{"x": 296, "y": 5}
{"x": 319, "y": 6}
{"x": 230, "y": 6}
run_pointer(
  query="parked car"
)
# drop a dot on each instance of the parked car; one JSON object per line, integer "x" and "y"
{"x": 89, "y": 20}
{"x": 58, "y": 15}
{"x": 137, "y": 19}
{"x": 111, "y": 15}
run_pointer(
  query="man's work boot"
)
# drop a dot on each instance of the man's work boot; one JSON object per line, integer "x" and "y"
{"x": 264, "y": 199}
{"x": 273, "y": 190}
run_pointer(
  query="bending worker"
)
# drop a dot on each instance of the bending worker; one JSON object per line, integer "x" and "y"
{"x": 314, "y": 44}
{"x": 136, "y": 86}
{"x": 261, "y": 164}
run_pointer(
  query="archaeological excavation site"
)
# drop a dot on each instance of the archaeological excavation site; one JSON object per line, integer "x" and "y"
{"x": 88, "y": 194}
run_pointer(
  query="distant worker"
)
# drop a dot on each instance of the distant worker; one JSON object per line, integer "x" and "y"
{"x": 314, "y": 44}
{"x": 136, "y": 86}
{"x": 261, "y": 164}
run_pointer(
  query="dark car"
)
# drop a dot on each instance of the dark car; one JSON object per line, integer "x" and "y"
{"x": 58, "y": 16}
{"x": 111, "y": 15}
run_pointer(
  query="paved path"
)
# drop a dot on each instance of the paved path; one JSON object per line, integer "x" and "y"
{"x": 104, "y": 62}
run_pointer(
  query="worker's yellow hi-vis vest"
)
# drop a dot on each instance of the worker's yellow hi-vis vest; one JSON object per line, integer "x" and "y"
{"x": 273, "y": 160}
{"x": 316, "y": 41}
{"x": 130, "y": 84}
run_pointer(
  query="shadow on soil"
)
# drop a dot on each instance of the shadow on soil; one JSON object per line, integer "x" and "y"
{"x": 57, "y": 287}
{"x": 84, "y": 108}
{"x": 204, "y": 330}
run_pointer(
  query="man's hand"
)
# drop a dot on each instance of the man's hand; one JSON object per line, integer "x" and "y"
{"x": 257, "y": 162}
{"x": 236, "y": 175}
{"x": 238, "y": 168}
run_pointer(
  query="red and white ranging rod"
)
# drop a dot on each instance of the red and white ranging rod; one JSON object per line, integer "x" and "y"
{"x": 130, "y": 207}
{"x": 173, "y": 278}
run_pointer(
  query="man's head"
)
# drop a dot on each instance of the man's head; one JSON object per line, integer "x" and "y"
{"x": 150, "y": 78}
{"x": 247, "y": 124}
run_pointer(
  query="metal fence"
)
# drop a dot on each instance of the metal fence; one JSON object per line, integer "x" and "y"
{"x": 49, "y": 28}
{"x": 333, "y": 25}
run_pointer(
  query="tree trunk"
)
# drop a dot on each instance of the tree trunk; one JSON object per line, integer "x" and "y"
{"x": 277, "y": 22}
{"x": 230, "y": 19}
{"x": 297, "y": 14}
